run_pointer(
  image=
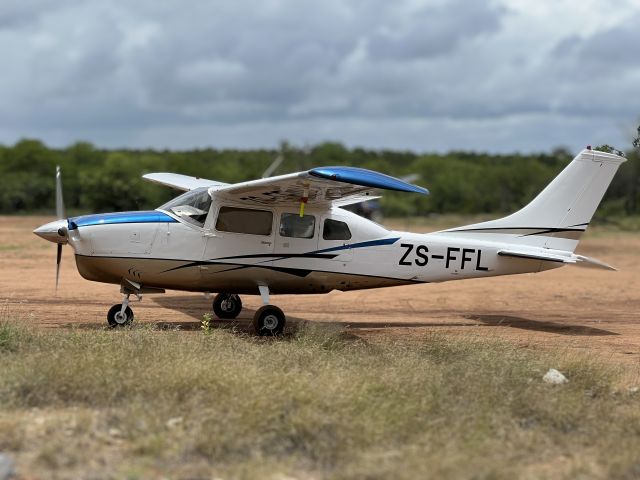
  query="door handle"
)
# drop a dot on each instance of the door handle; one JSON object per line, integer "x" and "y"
{"x": 263, "y": 242}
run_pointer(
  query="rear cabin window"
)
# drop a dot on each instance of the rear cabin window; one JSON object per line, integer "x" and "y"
{"x": 295, "y": 226}
{"x": 335, "y": 230}
{"x": 244, "y": 220}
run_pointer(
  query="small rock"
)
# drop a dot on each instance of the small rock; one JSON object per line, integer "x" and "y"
{"x": 115, "y": 432}
{"x": 173, "y": 422}
{"x": 634, "y": 389}
{"x": 554, "y": 377}
{"x": 6, "y": 467}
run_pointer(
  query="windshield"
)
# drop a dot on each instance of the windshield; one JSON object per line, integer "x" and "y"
{"x": 192, "y": 206}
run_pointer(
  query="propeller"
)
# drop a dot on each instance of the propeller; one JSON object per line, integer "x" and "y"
{"x": 59, "y": 200}
{"x": 60, "y": 213}
{"x": 59, "y": 257}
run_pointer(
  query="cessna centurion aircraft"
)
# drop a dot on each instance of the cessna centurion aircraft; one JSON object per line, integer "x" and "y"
{"x": 289, "y": 234}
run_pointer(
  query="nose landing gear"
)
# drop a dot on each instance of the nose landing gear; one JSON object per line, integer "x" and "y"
{"x": 120, "y": 315}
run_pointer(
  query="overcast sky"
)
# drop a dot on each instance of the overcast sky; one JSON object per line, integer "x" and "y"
{"x": 516, "y": 75}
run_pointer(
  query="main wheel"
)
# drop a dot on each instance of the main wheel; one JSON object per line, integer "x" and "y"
{"x": 269, "y": 320}
{"x": 117, "y": 319}
{"x": 227, "y": 305}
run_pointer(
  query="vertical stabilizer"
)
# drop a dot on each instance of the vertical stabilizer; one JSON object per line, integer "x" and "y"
{"x": 560, "y": 214}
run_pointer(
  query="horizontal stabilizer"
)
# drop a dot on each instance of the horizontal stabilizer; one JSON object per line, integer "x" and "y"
{"x": 559, "y": 257}
{"x": 592, "y": 263}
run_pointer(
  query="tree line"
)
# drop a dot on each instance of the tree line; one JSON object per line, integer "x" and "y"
{"x": 99, "y": 180}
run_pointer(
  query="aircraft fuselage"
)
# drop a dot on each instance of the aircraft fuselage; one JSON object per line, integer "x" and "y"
{"x": 156, "y": 249}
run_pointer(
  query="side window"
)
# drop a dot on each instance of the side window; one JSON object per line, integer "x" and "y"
{"x": 335, "y": 230}
{"x": 244, "y": 220}
{"x": 292, "y": 225}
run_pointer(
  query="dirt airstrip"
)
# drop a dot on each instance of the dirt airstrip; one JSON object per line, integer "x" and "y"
{"x": 576, "y": 309}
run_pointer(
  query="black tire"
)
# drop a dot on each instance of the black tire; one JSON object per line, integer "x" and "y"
{"x": 269, "y": 320}
{"x": 227, "y": 305}
{"x": 116, "y": 320}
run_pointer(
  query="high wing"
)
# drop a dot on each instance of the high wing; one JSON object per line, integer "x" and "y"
{"x": 324, "y": 186}
{"x": 181, "y": 182}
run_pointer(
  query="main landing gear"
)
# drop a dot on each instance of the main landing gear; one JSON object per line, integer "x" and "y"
{"x": 227, "y": 305}
{"x": 268, "y": 320}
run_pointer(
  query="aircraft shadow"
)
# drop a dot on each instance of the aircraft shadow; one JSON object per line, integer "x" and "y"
{"x": 538, "y": 325}
{"x": 191, "y": 306}
{"x": 195, "y": 307}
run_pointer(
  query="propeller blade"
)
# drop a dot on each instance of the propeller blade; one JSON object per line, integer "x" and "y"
{"x": 59, "y": 257}
{"x": 59, "y": 200}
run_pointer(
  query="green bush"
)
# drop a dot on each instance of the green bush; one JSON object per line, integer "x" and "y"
{"x": 460, "y": 182}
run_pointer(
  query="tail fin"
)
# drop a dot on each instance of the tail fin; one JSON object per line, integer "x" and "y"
{"x": 560, "y": 214}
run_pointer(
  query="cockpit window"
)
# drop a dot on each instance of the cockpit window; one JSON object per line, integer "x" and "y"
{"x": 192, "y": 207}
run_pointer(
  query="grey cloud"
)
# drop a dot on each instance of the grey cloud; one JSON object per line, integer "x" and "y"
{"x": 132, "y": 70}
{"x": 21, "y": 13}
{"x": 435, "y": 30}
{"x": 615, "y": 47}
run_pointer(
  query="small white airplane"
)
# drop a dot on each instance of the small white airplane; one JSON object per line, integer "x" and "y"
{"x": 288, "y": 234}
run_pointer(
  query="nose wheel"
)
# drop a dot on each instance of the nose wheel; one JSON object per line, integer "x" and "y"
{"x": 227, "y": 305}
{"x": 119, "y": 316}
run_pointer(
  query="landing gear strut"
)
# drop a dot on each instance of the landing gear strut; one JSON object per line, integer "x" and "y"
{"x": 120, "y": 315}
{"x": 227, "y": 305}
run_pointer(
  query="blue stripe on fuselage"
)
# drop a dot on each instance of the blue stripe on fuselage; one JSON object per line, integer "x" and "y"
{"x": 151, "y": 216}
{"x": 369, "y": 243}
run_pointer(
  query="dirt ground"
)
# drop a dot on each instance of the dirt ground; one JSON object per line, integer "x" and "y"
{"x": 575, "y": 309}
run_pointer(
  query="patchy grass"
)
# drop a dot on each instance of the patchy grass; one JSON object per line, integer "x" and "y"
{"x": 142, "y": 403}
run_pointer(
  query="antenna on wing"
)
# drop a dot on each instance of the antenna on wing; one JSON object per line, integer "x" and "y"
{"x": 284, "y": 147}
{"x": 274, "y": 166}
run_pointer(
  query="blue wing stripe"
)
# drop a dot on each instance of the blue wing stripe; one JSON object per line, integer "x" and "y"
{"x": 366, "y": 178}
